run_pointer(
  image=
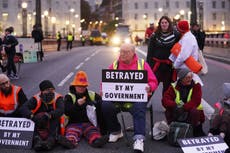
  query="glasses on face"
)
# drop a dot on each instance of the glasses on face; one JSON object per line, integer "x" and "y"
{"x": 4, "y": 83}
{"x": 188, "y": 76}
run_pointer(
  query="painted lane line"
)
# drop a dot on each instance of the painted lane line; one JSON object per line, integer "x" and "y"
{"x": 141, "y": 51}
{"x": 65, "y": 79}
{"x": 87, "y": 59}
{"x": 79, "y": 66}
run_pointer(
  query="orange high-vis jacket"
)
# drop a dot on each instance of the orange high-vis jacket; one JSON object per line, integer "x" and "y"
{"x": 62, "y": 118}
{"x": 10, "y": 103}
{"x": 192, "y": 64}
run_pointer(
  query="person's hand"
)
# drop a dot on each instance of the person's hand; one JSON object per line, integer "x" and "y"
{"x": 181, "y": 104}
{"x": 81, "y": 101}
{"x": 210, "y": 134}
{"x": 222, "y": 134}
{"x": 148, "y": 89}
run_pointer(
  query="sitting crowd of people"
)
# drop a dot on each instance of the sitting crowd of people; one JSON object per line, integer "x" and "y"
{"x": 65, "y": 119}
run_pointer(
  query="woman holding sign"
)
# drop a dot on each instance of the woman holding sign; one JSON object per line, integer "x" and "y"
{"x": 128, "y": 60}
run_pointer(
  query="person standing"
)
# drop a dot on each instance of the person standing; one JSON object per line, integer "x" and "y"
{"x": 128, "y": 60}
{"x": 12, "y": 98}
{"x": 148, "y": 32}
{"x": 77, "y": 102}
{"x": 184, "y": 54}
{"x": 70, "y": 39}
{"x": 38, "y": 37}
{"x": 158, "y": 53}
{"x": 200, "y": 35}
{"x": 58, "y": 37}
{"x": 182, "y": 102}
{"x": 10, "y": 42}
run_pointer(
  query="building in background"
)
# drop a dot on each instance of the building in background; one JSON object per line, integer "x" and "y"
{"x": 212, "y": 15}
{"x": 57, "y": 15}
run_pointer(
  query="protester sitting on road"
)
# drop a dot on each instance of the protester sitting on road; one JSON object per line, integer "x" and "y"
{"x": 182, "y": 102}
{"x": 77, "y": 106}
{"x": 128, "y": 60}
{"x": 10, "y": 42}
{"x": 12, "y": 98}
{"x": 45, "y": 109}
{"x": 220, "y": 125}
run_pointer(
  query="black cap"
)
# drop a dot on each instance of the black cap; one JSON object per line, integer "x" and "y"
{"x": 46, "y": 84}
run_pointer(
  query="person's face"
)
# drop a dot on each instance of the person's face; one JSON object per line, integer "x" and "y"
{"x": 151, "y": 25}
{"x": 5, "y": 85}
{"x": 187, "y": 79}
{"x": 126, "y": 56}
{"x": 164, "y": 25}
{"x": 80, "y": 89}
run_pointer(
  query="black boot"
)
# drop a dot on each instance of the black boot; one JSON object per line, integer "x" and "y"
{"x": 62, "y": 140}
{"x": 99, "y": 142}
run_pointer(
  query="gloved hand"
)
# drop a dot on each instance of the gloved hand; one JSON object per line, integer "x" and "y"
{"x": 45, "y": 118}
{"x": 180, "y": 114}
{"x": 181, "y": 104}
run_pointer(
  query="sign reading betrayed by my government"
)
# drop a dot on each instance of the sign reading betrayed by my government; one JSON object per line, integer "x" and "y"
{"x": 124, "y": 85}
{"x": 16, "y": 133}
{"x": 208, "y": 144}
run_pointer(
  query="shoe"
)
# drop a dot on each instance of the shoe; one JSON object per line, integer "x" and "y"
{"x": 62, "y": 140}
{"x": 15, "y": 77}
{"x": 115, "y": 137}
{"x": 99, "y": 142}
{"x": 38, "y": 144}
{"x": 138, "y": 146}
{"x": 49, "y": 144}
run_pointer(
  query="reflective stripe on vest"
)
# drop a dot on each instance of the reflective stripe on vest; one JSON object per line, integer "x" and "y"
{"x": 69, "y": 37}
{"x": 178, "y": 100}
{"x": 91, "y": 96}
{"x": 140, "y": 64}
{"x": 62, "y": 118}
{"x": 10, "y": 103}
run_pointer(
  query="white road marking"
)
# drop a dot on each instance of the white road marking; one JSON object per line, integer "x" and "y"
{"x": 76, "y": 68}
{"x": 141, "y": 51}
{"x": 79, "y": 66}
{"x": 65, "y": 79}
{"x": 87, "y": 58}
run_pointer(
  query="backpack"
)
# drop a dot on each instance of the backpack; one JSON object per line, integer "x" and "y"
{"x": 179, "y": 130}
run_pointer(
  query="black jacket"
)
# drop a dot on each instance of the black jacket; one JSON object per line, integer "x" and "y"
{"x": 10, "y": 40}
{"x": 32, "y": 103}
{"x": 159, "y": 47}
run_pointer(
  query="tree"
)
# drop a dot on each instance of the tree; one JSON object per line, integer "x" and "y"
{"x": 85, "y": 14}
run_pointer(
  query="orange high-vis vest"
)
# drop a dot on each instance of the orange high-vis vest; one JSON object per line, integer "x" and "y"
{"x": 10, "y": 103}
{"x": 192, "y": 64}
{"x": 62, "y": 118}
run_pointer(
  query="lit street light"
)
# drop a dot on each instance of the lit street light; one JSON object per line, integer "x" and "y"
{"x": 24, "y": 19}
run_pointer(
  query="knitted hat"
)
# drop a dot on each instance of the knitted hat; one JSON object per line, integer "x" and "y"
{"x": 46, "y": 84}
{"x": 183, "y": 26}
{"x": 226, "y": 90}
{"x": 182, "y": 73}
{"x": 80, "y": 79}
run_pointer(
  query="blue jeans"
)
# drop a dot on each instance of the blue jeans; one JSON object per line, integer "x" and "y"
{"x": 138, "y": 111}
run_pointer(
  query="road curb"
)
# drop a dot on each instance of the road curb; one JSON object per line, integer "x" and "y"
{"x": 217, "y": 58}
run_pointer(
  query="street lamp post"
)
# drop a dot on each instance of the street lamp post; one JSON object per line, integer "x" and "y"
{"x": 46, "y": 13}
{"x": 194, "y": 13}
{"x": 53, "y": 21}
{"x": 24, "y": 19}
{"x": 38, "y": 21}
